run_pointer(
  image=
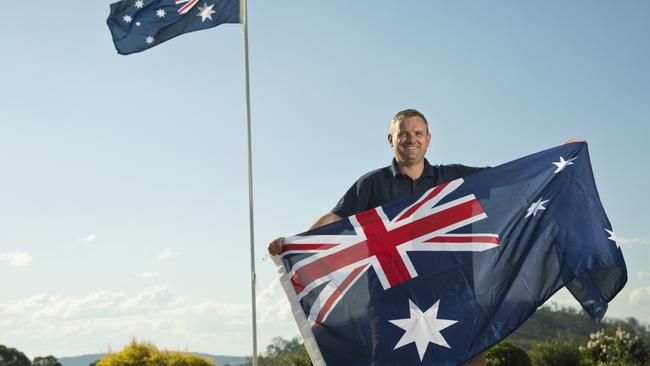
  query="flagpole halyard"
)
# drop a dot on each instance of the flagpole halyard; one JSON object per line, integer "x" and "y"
{"x": 244, "y": 16}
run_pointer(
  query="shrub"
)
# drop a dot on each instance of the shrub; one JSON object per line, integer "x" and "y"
{"x": 615, "y": 348}
{"x": 146, "y": 354}
{"x": 555, "y": 352}
{"x": 507, "y": 354}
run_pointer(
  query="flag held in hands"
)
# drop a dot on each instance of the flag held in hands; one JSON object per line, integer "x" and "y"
{"x": 440, "y": 277}
{"x": 137, "y": 25}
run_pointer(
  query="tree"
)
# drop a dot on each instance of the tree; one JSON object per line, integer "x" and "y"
{"x": 146, "y": 354}
{"x": 555, "y": 352}
{"x": 507, "y": 354}
{"x": 13, "y": 357}
{"x": 280, "y": 346}
{"x": 282, "y": 352}
{"x": 46, "y": 361}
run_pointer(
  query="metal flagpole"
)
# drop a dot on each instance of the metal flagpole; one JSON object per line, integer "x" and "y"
{"x": 244, "y": 13}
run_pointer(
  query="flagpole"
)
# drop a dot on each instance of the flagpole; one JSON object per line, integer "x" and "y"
{"x": 251, "y": 225}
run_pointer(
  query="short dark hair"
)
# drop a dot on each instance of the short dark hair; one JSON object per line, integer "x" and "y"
{"x": 407, "y": 113}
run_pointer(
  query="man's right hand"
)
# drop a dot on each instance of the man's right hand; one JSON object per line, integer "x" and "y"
{"x": 275, "y": 246}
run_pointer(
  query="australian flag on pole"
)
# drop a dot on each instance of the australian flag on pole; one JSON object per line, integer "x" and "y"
{"x": 438, "y": 278}
{"x": 137, "y": 25}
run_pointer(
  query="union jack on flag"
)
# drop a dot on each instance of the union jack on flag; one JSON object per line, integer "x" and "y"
{"x": 383, "y": 244}
{"x": 187, "y": 5}
{"x": 440, "y": 277}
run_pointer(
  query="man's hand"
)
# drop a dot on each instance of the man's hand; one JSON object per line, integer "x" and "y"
{"x": 275, "y": 246}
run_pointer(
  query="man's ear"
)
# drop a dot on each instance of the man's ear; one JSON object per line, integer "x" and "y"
{"x": 390, "y": 140}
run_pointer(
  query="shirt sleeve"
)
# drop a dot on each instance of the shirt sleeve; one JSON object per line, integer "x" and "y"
{"x": 354, "y": 200}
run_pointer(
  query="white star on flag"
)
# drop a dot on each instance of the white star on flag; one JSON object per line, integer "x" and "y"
{"x": 161, "y": 13}
{"x": 422, "y": 328}
{"x": 139, "y": 4}
{"x": 127, "y": 18}
{"x": 205, "y": 12}
{"x": 537, "y": 206}
{"x": 149, "y": 39}
{"x": 562, "y": 164}
{"x": 612, "y": 237}
{"x": 137, "y": 24}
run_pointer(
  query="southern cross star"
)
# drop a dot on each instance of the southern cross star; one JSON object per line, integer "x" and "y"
{"x": 149, "y": 40}
{"x": 612, "y": 237}
{"x": 422, "y": 328}
{"x": 139, "y": 4}
{"x": 161, "y": 13}
{"x": 205, "y": 12}
{"x": 562, "y": 164}
{"x": 537, "y": 206}
{"x": 127, "y": 18}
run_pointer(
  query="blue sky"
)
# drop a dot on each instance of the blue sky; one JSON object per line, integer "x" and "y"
{"x": 124, "y": 183}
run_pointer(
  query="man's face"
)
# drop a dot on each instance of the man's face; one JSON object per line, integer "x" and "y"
{"x": 410, "y": 140}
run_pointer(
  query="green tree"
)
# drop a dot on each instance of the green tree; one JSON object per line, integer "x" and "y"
{"x": 146, "y": 354}
{"x": 13, "y": 357}
{"x": 298, "y": 358}
{"x": 556, "y": 352}
{"x": 282, "y": 352}
{"x": 46, "y": 361}
{"x": 280, "y": 346}
{"x": 507, "y": 354}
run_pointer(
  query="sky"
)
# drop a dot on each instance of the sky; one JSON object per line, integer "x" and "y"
{"x": 124, "y": 197}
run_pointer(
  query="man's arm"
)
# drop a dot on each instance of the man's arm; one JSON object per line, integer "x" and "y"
{"x": 328, "y": 218}
{"x": 275, "y": 246}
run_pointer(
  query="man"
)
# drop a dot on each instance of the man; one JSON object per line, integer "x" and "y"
{"x": 409, "y": 173}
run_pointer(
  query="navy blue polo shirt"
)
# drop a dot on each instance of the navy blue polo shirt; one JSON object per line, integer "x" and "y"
{"x": 387, "y": 184}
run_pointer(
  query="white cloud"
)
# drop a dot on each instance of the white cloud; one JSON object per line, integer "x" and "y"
{"x": 635, "y": 240}
{"x": 16, "y": 258}
{"x": 273, "y": 305}
{"x": 640, "y": 296}
{"x": 88, "y": 238}
{"x": 66, "y": 325}
{"x": 150, "y": 274}
{"x": 642, "y": 274}
{"x": 166, "y": 254}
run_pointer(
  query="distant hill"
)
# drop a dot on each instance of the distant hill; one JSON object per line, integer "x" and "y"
{"x": 86, "y": 360}
{"x": 570, "y": 324}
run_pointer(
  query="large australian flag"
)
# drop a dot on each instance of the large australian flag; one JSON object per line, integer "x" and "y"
{"x": 438, "y": 278}
{"x": 137, "y": 25}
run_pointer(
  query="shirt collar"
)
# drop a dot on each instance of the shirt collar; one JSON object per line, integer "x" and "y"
{"x": 427, "y": 172}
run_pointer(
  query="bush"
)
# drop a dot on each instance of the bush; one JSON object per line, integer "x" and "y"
{"x": 615, "y": 348}
{"x": 145, "y": 354}
{"x": 555, "y": 352}
{"x": 507, "y": 354}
